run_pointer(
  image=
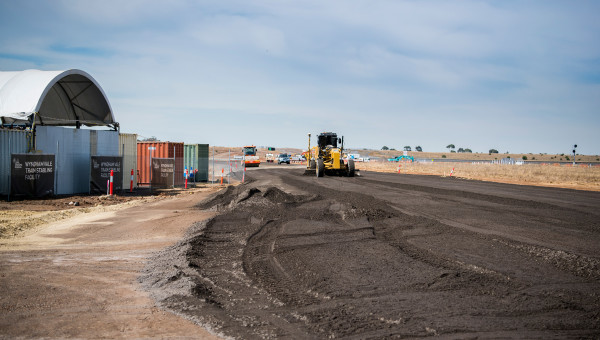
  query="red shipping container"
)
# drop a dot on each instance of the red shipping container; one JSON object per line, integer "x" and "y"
{"x": 159, "y": 150}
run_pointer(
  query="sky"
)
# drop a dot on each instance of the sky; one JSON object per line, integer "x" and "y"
{"x": 516, "y": 76}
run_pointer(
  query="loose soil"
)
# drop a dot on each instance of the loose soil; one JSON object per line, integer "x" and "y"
{"x": 22, "y": 215}
{"x": 76, "y": 277}
{"x": 387, "y": 256}
{"x": 299, "y": 257}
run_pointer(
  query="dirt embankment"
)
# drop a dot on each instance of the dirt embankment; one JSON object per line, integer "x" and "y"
{"x": 385, "y": 256}
{"x": 24, "y": 215}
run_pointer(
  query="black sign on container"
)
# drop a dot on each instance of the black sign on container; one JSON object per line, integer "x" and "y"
{"x": 162, "y": 172}
{"x": 32, "y": 175}
{"x": 100, "y": 173}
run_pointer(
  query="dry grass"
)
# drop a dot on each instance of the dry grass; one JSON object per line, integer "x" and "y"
{"x": 550, "y": 174}
{"x": 563, "y": 176}
{"x": 223, "y": 151}
{"x": 385, "y": 154}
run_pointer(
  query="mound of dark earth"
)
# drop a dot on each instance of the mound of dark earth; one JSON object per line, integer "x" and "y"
{"x": 298, "y": 257}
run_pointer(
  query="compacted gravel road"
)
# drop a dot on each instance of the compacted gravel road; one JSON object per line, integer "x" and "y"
{"x": 386, "y": 256}
{"x": 77, "y": 277}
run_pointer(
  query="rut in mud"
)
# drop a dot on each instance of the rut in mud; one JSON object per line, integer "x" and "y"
{"x": 296, "y": 257}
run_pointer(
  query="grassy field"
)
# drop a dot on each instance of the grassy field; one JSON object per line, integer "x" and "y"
{"x": 551, "y": 175}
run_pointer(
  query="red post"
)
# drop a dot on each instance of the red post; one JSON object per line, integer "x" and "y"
{"x": 131, "y": 183}
{"x": 111, "y": 182}
{"x": 186, "y": 177}
{"x": 222, "y": 171}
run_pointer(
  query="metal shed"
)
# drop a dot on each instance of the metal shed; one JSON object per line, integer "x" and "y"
{"x": 73, "y": 149}
{"x": 54, "y": 105}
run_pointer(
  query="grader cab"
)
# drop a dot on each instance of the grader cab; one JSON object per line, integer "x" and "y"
{"x": 328, "y": 157}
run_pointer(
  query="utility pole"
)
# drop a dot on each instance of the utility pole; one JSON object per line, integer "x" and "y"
{"x": 574, "y": 149}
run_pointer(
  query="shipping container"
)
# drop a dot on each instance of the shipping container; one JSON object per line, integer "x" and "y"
{"x": 104, "y": 143}
{"x": 196, "y": 158}
{"x": 72, "y": 149}
{"x": 11, "y": 141}
{"x": 128, "y": 150}
{"x": 148, "y": 150}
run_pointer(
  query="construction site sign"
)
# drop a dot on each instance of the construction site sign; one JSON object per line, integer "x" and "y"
{"x": 163, "y": 170}
{"x": 100, "y": 173}
{"x": 32, "y": 175}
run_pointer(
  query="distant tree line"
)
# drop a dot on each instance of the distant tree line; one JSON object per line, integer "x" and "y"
{"x": 149, "y": 139}
{"x": 406, "y": 148}
{"x": 450, "y": 147}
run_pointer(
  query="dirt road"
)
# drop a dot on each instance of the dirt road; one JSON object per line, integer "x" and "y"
{"x": 388, "y": 256}
{"x": 77, "y": 277}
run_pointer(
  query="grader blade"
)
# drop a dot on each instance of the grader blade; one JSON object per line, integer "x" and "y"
{"x": 310, "y": 172}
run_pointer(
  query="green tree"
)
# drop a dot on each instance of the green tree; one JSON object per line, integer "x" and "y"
{"x": 407, "y": 148}
{"x": 468, "y": 150}
{"x": 150, "y": 139}
{"x": 450, "y": 147}
{"x": 385, "y": 148}
{"x": 460, "y": 150}
{"x": 493, "y": 151}
{"x": 525, "y": 157}
{"x": 419, "y": 148}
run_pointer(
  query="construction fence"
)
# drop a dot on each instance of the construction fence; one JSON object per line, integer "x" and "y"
{"x": 226, "y": 171}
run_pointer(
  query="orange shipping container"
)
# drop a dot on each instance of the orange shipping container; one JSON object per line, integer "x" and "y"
{"x": 145, "y": 150}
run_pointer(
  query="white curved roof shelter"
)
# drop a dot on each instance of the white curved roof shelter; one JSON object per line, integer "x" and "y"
{"x": 59, "y": 98}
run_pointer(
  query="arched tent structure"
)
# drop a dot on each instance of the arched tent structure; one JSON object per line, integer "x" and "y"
{"x": 58, "y": 98}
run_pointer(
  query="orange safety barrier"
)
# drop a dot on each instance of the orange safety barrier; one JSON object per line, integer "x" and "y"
{"x": 131, "y": 183}
{"x": 111, "y": 182}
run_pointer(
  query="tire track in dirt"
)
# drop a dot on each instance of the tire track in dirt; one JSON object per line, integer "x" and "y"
{"x": 550, "y": 217}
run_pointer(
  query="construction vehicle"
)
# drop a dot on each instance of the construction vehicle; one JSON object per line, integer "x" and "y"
{"x": 250, "y": 157}
{"x": 402, "y": 159}
{"x": 328, "y": 158}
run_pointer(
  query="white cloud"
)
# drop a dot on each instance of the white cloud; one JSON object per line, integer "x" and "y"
{"x": 413, "y": 72}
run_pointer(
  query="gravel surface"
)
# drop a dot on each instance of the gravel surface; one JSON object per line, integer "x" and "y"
{"x": 387, "y": 256}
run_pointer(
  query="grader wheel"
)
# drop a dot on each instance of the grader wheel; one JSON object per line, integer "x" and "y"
{"x": 351, "y": 168}
{"x": 320, "y": 168}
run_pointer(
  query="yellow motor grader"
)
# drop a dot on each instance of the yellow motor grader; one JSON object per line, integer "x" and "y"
{"x": 328, "y": 158}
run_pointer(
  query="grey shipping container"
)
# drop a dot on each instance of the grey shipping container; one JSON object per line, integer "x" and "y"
{"x": 11, "y": 141}
{"x": 73, "y": 149}
{"x": 195, "y": 156}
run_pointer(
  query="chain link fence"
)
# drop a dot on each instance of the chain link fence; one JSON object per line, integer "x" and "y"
{"x": 225, "y": 170}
